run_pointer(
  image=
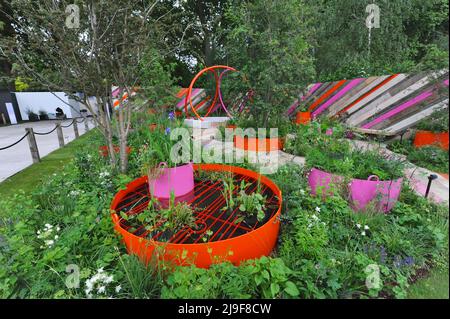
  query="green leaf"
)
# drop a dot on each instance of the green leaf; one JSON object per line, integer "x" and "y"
{"x": 291, "y": 289}
{"x": 274, "y": 289}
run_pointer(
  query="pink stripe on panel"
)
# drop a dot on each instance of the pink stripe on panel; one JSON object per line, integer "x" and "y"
{"x": 297, "y": 102}
{"x": 402, "y": 107}
{"x": 195, "y": 92}
{"x": 313, "y": 89}
{"x": 341, "y": 93}
{"x": 293, "y": 107}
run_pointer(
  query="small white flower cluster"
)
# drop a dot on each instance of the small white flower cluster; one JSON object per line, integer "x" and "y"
{"x": 75, "y": 193}
{"x": 363, "y": 232}
{"x": 47, "y": 235}
{"x": 104, "y": 174}
{"x": 315, "y": 220}
{"x": 105, "y": 178}
{"x": 99, "y": 284}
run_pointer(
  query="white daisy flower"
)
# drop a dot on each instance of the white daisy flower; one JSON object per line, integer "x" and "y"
{"x": 318, "y": 209}
{"x": 358, "y": 225}
{"x": 101, "y": 289}
{"x": 363, "y": 233}
{"x": 118, "y": 288}
{"x": 108, "y": 279}
{"x": 49, "y": 242}
{"x": 366, "y": 227}
{"x": 89, "y": 284}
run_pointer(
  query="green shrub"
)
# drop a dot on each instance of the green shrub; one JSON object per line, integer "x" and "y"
{"x": 429, "y": 157}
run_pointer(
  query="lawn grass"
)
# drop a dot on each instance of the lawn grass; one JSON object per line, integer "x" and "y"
{"x": 434, "y": 286}
{"x": 30, "y": 178}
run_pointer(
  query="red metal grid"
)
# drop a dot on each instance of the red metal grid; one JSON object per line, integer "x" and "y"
{"x": 208, "y": 202}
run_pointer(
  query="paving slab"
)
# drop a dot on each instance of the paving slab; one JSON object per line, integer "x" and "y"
{"x": 18, "y": 157}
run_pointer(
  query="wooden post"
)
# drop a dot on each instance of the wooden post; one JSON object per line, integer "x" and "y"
{"x": 86, "y": 125}
{"x": 60, "y": 134}
{"x": 75, "y": 128}
{"x": 4, "y": 119}
{"x": 33, "y": 145}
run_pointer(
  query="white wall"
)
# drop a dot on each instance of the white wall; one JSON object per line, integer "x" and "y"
{"x": 46, "y": 101}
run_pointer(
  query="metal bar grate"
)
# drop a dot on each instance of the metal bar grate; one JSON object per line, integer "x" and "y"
{"x": 208, "y": 202}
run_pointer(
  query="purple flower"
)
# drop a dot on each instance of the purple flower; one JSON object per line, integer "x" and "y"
{"x": 349, "y": 135}
{"x": 383, "y": 255}
{"x": 168, "y": 131}
{"x": 409, "y": 261}
{"x": 171, "y": 116}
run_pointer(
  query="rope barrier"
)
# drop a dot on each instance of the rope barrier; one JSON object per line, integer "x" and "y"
{"x": 68, "y": 125}
{"x": 36, "y": 133}
{"x": 4, "y": 148}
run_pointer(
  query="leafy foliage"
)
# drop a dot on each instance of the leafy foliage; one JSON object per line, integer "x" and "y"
{"x": 262, "y": 31}
{"x": 430, "y": 157}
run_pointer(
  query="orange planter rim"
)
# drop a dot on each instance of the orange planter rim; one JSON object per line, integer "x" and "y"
{"x": 303, "y": 117}
{"x": 429, "y": 138}
{"x": 238, "y": 140}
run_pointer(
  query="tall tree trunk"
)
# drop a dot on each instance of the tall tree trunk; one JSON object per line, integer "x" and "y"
{"x": 122, "y": 140}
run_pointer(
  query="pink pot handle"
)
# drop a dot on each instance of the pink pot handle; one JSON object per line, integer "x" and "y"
{"x": 163, "y": 165}
{"x": 371, "y": 177}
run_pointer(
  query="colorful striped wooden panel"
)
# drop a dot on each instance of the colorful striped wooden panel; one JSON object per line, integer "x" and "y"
{"x": 389, "y": 103}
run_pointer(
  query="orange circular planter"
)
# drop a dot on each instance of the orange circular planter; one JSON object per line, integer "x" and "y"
{"x": 104, "y": 150}
{"x": 303, "y": 118}
{"x": 178, "y": 113}
{"x": 235, "y": 248}
{"x": 258, "y": 144}
{"x": 153, "y": 127}
{"x": 424, "y": 138}
{"x": 232, "y": 126}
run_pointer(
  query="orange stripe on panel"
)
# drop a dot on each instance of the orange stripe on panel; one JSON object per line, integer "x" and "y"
{"x": 181, "y": 93}
{"x": 348, "y": 107}
{"x": 327, "y": 94}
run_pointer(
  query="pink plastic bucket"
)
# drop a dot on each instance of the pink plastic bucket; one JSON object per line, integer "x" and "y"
{"x": 362, "y": 192}
{"x": 179, "y": 180}
{"x": 385, "y": 193}
{"x": 321, "y": 181}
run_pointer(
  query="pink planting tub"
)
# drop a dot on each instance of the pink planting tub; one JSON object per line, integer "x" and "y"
{"x": 384, "y": 193}
{"x": 179, "y": 180}
{"x": 321, "y": 182}
{"x": 362, "y": 192}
